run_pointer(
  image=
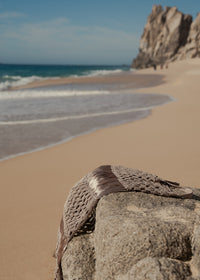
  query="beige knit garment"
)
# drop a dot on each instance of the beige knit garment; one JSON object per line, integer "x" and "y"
{"x": 79, "y": 209}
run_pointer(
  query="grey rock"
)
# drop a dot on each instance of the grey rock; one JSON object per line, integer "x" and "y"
{"x": 158, "y": 269}
{"x": 78, "y": 262}
{"x": 165, "y": 33}
{"x": 138, "y": 236}
{"x": 192, "y": 48}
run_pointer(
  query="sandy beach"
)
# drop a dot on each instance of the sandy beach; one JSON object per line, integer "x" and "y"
{"x": 34, "y": 186}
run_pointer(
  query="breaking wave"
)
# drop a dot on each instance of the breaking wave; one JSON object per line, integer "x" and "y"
{"x": 14, "y": 81}
{"x": 9, "y": 81}
{"x": 20, "y": 94}
{"x": 95, "y": 73}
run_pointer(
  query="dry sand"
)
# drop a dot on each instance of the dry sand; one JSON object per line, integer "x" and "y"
{"x": 34, "y": 186}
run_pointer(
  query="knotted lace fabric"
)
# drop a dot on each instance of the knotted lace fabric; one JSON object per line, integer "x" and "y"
{"x": 79, "y": 209}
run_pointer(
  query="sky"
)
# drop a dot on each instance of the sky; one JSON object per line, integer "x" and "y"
{"x": 76, "y": 31}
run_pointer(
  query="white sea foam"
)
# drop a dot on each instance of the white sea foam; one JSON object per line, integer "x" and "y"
{"x": 11, "y": 77}
{"x": 10, "y": 81}
{"x": 17, "y": 94}
{"x": 14, "y": 81}
{"x": 95, "y": 73}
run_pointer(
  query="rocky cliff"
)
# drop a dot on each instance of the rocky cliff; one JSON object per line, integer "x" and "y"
{"x": 138, "y": 236}
{"x": 168, "y": 35}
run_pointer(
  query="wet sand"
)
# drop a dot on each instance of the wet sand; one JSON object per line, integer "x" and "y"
{"x": 124, "y": 80}
{"x": 29, "y": 124}
{"x": 34, "y": 187}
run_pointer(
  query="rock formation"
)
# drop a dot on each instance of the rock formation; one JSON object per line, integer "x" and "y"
{"x": 168, "y": 35}
{"x": 192, "y": 47}
{"x": 138, "y": 236}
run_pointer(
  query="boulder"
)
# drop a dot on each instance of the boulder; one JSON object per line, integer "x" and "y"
{"x": 78, "y": 262}
{"x": 138, "y": 236}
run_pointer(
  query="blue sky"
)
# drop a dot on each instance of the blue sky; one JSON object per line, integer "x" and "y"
{"x": 76, "y": 31}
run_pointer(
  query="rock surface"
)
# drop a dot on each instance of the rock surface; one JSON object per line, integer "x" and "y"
{"x": 79, "y": 259}
{"x": 168, "y": 35}
{"x": 192, "y": 47}
{"x": 138, "y": 236}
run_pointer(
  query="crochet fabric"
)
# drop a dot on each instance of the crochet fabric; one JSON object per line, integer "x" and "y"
{"x": 79, "y": 209}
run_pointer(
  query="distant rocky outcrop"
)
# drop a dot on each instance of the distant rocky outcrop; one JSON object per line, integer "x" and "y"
{"x": 138, "y": 236}
{"x": 168, "y": 35}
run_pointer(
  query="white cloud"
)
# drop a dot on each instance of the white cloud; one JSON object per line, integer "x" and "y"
{"x": 61, "y": 40}
{"x": 10, "y": 15}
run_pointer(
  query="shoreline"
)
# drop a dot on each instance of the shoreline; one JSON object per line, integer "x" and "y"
{"x": 120, "y": 78}
{"x": 70, "y": 138}
{"x": 144, "y": 113}
{"x": 34, "y": 186}
{"x": 37, "y": 131}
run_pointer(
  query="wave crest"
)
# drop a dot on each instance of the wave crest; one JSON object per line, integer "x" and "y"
{"x": 17, "y": 94}
{"x": 9, "y": 81}
{"x": 94, "y": 73}
{"x": 14, "y": 81}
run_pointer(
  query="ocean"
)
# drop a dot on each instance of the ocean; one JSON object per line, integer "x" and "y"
{"x": 16, "y": 75}
{"x": 32, "y": 119}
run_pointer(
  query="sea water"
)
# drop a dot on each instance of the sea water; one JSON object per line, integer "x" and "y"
{"x": 32, "y": 119}
{"x": 16, "y": 75}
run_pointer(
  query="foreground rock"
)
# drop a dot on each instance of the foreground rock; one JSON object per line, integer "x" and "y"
{"x": 138, "y": 236}
{"x": 168, "y": 35}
